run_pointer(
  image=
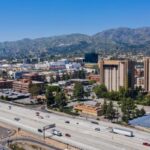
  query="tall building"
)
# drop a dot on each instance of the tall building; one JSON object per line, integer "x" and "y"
{"x": 117, "y": 73}
{"x": 91, "y": 58}
{"x": 147, "y": 74}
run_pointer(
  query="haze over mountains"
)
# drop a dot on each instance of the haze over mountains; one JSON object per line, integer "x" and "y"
{"x": 120, "y": 39}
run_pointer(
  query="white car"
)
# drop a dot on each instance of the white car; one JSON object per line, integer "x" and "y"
{"x": 56, "y": 132}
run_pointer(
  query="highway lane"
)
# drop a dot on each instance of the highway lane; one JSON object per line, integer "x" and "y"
{"x": 76, "y": 138}
{"x": 83, "y": 134}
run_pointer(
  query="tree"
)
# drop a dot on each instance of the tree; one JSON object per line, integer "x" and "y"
{"x": 87, "y": 94}
{"x": 78, "y": 90}
{"x": 53, "y": 88}
{"x": 123, "y": 92}
{"x": 60, "y": 100}
{"x": 81, "y": 74}
{"x": 100, "y": 91}
{"x": 92, "y": 82}
{"x": 57, "y": 78}
{"x": 146, "y": 100}
{"x": 2, "y": 97}
{"x": 35, "y": 89}
{"x": 52, "y": 80}
{"x": 137, "y": 112}
{"x": 128, "y": 109}
{"x": 49, "y": 97}
{"x": 104, "y": 107}
{"x": 67, "y": 76}
{"x": 110, "y": 112}
{"x": 63, "y": 77}
{"x": 142, "y": 112}
{"x": 113, "y": 95}
{"x": 4, "y": 74}
{"x": 126, "y": 117}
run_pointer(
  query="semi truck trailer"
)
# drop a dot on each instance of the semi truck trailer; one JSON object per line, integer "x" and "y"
{"x": 123, "y": 132}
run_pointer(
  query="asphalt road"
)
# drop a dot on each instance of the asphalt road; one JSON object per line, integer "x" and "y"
{"x": 83, "y": 134}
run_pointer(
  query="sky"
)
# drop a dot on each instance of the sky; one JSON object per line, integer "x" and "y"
{"x": 43, "y": 18}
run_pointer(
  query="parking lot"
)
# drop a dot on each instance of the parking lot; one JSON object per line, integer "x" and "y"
{"x": 11, "y": 95}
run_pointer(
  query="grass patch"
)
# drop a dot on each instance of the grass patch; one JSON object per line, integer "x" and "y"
{"x": 69, "y": 110}
{"x": 16, "y": 147}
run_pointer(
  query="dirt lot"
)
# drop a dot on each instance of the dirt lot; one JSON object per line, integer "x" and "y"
{"x": 25, "y": 146}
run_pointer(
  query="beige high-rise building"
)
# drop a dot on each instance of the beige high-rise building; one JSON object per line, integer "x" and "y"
{"x": 147, "y": 74}
{"x": 117, "y": 73}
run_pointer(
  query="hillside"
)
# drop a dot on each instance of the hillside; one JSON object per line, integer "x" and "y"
{"x": 122, "y": 39}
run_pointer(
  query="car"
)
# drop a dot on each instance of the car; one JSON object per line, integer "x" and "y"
{"x": 56, "y": 132}
{"x": 40, "y": 130}
{"x": 9, "y": 107}
{"x": 47, "y": 116}
{"x": 67, "y": 121}
{"x": 146, "y": 144}
{"x": 41, "y": 117}
{"x": 97, "y": 129}
{"x": 17, "y": 119}
{"x": 68, "y": 135}
{"x": 94, "y": 122}
{"x": 37, "y": 113}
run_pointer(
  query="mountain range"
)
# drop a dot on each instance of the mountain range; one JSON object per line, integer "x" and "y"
{"x": 119, "y": 39}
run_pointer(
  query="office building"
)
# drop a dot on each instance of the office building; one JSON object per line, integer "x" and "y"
{"x": 117, "y": 73}
{"x": 91, "y": 58}
{"x": 24, "y": 85}
{"x": 6, "y": 84}
{"x": 147, "y": 74}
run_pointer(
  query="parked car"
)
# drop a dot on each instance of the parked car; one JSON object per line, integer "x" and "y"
{"x": 146, "y": 144}
{"x": 68, "y": 135}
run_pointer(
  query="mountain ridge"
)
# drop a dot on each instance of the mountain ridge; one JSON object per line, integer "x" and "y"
{"x": 121, "y": 39}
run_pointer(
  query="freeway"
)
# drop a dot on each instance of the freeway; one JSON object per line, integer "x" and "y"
{"x": 83, "y": 134}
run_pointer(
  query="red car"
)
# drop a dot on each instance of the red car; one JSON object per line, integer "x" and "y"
{"x": 146, "y": 144}
{"x": 68, "y": 135}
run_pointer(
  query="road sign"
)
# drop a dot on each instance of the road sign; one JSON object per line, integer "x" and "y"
{"x": 49, "y": 126}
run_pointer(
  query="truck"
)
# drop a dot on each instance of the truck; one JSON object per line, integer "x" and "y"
{"x": 122, "y": 132}
{"x": 56, "y": 132}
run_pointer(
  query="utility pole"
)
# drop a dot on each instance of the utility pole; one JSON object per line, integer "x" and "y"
{"x": 44, "y": 133}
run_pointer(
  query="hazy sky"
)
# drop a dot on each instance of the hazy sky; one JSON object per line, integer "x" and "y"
{"x": 39, "y": 18}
